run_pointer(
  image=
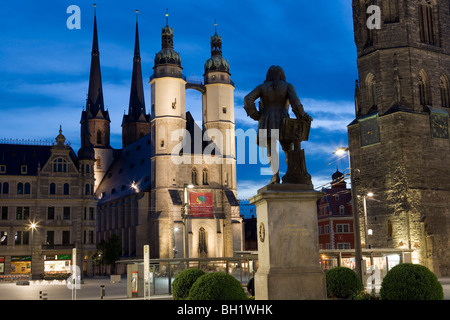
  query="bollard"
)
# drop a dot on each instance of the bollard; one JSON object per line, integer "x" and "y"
{"x": 42, "y": 295}
{"x": 102, "y": 291}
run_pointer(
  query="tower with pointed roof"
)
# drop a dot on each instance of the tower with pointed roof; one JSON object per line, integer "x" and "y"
{"x": 95, "y": 114}
{"x": 136, "y": 123}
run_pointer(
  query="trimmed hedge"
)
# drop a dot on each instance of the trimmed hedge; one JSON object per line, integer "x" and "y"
{"x": 409, "y": 281}
{"x": 184, "y": 281}
{"x": 217, "y": 286}
{"x": 342, "y": 283}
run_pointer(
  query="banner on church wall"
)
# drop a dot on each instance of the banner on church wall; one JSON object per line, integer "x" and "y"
{"x": 201, "y": 204}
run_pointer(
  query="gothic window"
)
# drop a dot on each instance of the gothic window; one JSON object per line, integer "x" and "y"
{"x": 205, "y": 176}
{"x": 99, "y": 137}
{"x": 424, "y": 89}
{"x": 426, "y": 21}
{"x": 194, "y": 177}
{"x": 391, "y": 11}
{"x": 389, "y": 228}
{"x": 445, "y": 92}
{"x": 202, "y": 245}
{"x": 371, "y": 90}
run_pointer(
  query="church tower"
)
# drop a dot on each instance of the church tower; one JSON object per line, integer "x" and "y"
{"x": 95, "y": 114}
{"x": 168, "y": 106}
{"x": 136, "y": 123}
{"x": 399, "y": 141}
{"x": 218, "y": 107}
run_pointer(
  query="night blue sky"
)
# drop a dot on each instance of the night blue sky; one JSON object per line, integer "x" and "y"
{"x": 45, "y": 66}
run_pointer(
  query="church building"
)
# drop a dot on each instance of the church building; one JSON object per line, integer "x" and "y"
{"x": 172, "y": 185}
{"x": 399, "y": 141}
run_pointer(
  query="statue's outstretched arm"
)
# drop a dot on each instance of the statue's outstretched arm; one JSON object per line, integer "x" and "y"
{"x": 249, "y": 103}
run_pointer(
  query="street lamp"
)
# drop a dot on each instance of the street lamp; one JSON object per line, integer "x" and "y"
{"x": 366, "y": 231}
{"x": 358, "y": 250}
{"x": 33, "y": 226}
{"x": 185, "y": 217}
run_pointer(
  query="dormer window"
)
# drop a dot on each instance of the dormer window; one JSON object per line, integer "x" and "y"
{"x": 59, "y": 165}
{"x": 23, "y": 169}
{"x": 2, "y": 168}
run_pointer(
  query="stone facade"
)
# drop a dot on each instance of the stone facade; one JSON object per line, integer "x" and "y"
{"x": 397, "y": 150}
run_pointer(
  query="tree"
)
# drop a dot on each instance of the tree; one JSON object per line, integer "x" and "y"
{"x": 108, "y": 252}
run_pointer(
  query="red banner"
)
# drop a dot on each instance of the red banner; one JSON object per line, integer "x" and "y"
{"x": 201, "y": 204}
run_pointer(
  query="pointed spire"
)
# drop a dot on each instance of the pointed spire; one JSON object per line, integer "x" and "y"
{"x": 137, "y": 104}
{"x": 167, "y": 17}
{"x": 95, "y": 94}
{"x": 86, "y": 150}
{"x": 216, "y": 42}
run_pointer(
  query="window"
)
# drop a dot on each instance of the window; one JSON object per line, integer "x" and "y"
{"x": 4, "y": 213}
{"x": 51, "y": 213}
{"x": 20, "y": 188}
{"x": 343, "y": 245}
{"x": 202, "y": 245}
{"x": 341, "y": 209}
{"x": 66, "y": 237}
{"x": 66, "y": 213}
{"x": 66, "y": 188}
{"x": 390, "y": 11}
{"x": 2, "y": 168}
{"x": 424, "y": 89}
{"x": 87, "y": 168}
{"x": 99, "y": 137}
{"x": 194, "y": 176}
{"x": 205, "y": 176}
{"x": 371, "y": 90}
{"x": 50, "y": 238}
{"x": 22, "y": 213}
{"x": 98, "y": 162}
{"x": 5, "y": 187}
{"x": 320, "y": 230}
{"x": 343, "y": 228}
{"x": 27, "y": 188}
{"x": 426, "y": 22}
{"x": 326, "y": 229}
{"x": 59, "y": 165}
{"x": 91, "y": 214}
{"x": 91, "y": 237}
{"x": 3, "y": 238}
{"x": 445, "y": 92}
{"x": 389, "y": 228}
{"x": 52, "y": 188}
{"x": 23, "y": 169}
{"x": 87, "y": 190}
{"x": 21, "y": 237}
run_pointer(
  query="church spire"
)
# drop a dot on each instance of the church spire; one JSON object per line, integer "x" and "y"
{"x": 137, "y": 104}
{"x": 95, "y": 94}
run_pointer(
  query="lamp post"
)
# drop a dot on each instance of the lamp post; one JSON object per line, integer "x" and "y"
{"x": 185, "y": 219}
{"x": 33, "y": 226}
{"x": 356, "y": 232}
{"x": 366, "y": 231}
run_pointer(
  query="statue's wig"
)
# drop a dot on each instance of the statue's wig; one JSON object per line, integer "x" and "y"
{"x": 275, "y": 74}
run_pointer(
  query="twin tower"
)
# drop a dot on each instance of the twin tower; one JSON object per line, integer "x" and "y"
{"x": 168, "y": 102}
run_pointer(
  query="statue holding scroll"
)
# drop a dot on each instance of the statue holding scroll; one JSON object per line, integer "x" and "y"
{"x": 274, "y": 124}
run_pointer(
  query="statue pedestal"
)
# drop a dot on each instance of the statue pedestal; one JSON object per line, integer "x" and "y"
{"x": 288, "y": 248}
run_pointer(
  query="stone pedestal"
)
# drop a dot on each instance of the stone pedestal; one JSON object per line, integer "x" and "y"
{"x": 288, "y": 248}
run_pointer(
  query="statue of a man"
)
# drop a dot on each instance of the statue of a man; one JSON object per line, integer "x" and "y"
{"x": 275, "y": 95}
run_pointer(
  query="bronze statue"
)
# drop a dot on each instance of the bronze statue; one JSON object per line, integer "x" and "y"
{"x": 275, "y": 95}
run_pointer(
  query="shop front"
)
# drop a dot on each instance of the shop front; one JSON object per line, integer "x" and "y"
{"x": 57, "y": 264}
{"x": 20, "y": 265}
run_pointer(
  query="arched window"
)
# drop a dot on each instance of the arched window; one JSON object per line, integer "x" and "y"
{"x": 99, "y": 137}
{"x": 66, "y": 188}
{"x": 424, "y": 89}
{"x": 202, "y": 244}
{"x": 390, "y": 11}
{"x": 5, "y": 187}
{"x": 194, "y": 177}
{"x": 371, "y": 92}
{"x": 27, "y": 189}
{"x": 445, "y": 92}
{"x": 205, "y": 176}
{"x": 20, "y": 188}
{"x": 59, "y": 165}
{"x": 426, "y": 21}
{"x": 52, "y": 188}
